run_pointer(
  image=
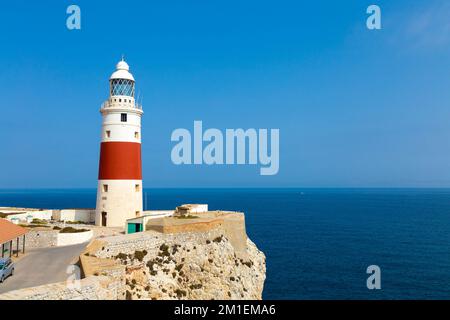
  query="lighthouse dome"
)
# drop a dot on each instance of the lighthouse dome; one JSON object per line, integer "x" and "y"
{"x": 122, "y": 71}
{"x": 122, "y": 65}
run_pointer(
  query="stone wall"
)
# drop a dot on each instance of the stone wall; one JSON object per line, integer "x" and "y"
{"x": 91, "y": 288}
{"x": 44, "y": 238}
{"x": 41, "y": 239}
{"x": 149, "y": 241}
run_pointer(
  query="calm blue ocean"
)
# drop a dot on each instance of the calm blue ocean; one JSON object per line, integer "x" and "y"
{"x": 319, "y": 242}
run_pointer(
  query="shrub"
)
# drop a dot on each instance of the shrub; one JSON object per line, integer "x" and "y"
{"x": 122, "y": 256}
{"x": 180, "y": 293}
{"x": 187, "y": 217}
{"x": 56, "y": 228}
{"x": 164, "y": 251}
{"x": 140, "y": 255}
{"x": 247, "y": 263}
{"x": 179, "y": 267}
{"x": 38, "y": 221}
{"x": 75, "y": 222}
{"x": 195, "y": 286}
{"x": 150, "y": 264}
{"x": 72, "y": 230}
{"x": 33, "y": 226}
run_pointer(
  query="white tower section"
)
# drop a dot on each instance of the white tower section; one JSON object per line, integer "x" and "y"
{"x": 119, "y": 193}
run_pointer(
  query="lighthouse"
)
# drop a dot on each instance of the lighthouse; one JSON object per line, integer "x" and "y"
{"x": 119, "y": 192}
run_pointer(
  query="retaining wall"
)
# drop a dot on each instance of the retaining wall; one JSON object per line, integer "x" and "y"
{"x": 90, "y": 288}
{"x": 67, "y": 239}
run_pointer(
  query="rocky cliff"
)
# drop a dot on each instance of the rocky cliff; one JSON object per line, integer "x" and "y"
{"x": 202, "y": 265}
{"x": 196, "y": 271}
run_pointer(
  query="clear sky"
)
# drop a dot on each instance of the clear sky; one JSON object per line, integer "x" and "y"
{"x": 355, "y": 108}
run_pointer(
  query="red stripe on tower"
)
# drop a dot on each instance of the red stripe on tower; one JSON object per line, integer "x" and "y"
{"x": 120, "y": 161}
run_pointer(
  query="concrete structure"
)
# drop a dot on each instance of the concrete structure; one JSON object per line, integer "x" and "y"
{"x": 138, "y": 224}
{"x": 119, "y": 193}
{"x": 69, "y": 239}
{"x": 75, "y": 215}
{"x": 187, "y": 209}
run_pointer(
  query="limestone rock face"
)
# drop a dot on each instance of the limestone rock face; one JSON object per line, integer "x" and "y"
{"x": 207, "y": 269}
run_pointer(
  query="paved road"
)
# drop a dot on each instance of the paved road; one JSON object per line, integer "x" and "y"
{"x": 42, "y": 266}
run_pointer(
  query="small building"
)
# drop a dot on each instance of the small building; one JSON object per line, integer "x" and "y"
{"x": 10, "y": 236}
{"x": 138, "y": 224}
{"x": 190, "y": 208}
{"x": 17, "y": 215}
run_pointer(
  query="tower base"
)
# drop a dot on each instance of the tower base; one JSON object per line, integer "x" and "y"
{"x": 117, "y": 201}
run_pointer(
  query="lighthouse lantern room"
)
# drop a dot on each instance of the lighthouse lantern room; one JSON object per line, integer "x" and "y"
{"x": 119, "y": 192}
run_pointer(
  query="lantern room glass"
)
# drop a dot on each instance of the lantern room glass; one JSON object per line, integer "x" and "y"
{"x": 122, "y": 87}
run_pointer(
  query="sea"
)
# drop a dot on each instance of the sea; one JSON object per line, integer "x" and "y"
{"x": 319, "y": 242}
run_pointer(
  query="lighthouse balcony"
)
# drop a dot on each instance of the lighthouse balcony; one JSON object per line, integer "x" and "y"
{"x": 121, "y": 103}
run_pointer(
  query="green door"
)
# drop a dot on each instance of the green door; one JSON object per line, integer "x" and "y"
{"x": 134, "y": 227}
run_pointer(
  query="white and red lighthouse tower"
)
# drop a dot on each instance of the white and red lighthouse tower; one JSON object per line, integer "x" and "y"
{"x": 119, "y": 193}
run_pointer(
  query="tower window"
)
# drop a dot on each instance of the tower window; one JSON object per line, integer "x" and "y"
{"x": 105, "y": 188}
{"x": 123, "y": 117}
{"x": 137, "y": 188}
{"x": 108, "y": 134}
{"x": 136, "y": 135}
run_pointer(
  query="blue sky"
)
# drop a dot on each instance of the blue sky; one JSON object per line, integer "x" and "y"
{"x": 355, "y": 108}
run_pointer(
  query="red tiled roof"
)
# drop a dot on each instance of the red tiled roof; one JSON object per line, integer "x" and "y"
{"x": 9, "y": 231}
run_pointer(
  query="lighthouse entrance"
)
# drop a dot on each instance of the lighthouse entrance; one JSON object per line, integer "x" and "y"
{"x": 103, "y": 219}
